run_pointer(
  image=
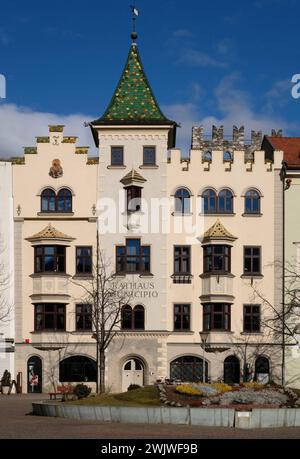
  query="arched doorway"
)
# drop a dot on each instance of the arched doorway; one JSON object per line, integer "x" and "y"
{"x": 77, "y": 369}
{"x": 35, "y": 375}
{"x": 133, "y": 373}
{"x": 262, "y": 370}
{"x": 188, "y": 369}
{"x": 232, "y": 370}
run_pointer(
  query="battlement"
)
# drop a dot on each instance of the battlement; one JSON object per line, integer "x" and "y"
{"x": 237, "y": 143}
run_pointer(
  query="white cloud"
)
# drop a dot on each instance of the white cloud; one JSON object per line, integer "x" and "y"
{"x": 20, "y": 126}
{"x": 234, "y": 108}
{"x": 197, "y": 58}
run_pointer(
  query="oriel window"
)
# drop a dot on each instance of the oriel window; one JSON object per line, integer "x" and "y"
{"x": 50, "y": 259}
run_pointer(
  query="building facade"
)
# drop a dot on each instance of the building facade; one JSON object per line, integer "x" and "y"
{"x": 290, "y": 148}
{"x": 7, "y": 325}
{"x": 55, "y": 187}
{"x": 196, "y": 244}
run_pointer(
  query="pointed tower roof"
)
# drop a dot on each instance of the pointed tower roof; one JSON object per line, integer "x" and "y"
{"x": 50, "y": 233}
{"x": 133, "y": 102}
{"x": 218, "y": 232}
{"x": 133, "y": 177}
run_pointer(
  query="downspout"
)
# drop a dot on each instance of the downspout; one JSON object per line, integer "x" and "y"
{"x": 283, "y": 178}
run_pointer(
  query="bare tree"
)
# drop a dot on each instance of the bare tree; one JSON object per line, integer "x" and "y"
{"x": 5, "y": 284}
{"x": 106, "y": 295}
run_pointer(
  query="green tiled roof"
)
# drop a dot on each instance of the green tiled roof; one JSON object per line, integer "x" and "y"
{"x": 133, "y": 101}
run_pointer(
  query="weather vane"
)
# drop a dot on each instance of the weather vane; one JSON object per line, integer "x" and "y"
{"x": 135, "y": 13}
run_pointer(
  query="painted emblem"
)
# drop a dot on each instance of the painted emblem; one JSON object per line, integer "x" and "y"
{"x": 56, "y": 170}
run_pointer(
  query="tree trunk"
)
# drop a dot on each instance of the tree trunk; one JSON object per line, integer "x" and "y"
{"x": 102, "y": 371}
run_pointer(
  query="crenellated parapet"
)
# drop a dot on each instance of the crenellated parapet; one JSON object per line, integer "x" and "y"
{"x": 219, "y": 142}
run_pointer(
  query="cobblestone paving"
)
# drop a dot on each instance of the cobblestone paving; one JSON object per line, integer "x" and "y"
{"x": 17, "y": 423}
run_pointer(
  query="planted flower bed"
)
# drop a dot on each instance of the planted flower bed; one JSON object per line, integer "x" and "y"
{"x": 246, "y": 396}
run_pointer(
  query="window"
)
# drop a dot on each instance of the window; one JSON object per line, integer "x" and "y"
{"x": 84, "y": 263}
{"x": 77, "y": 369}
{"x": 252, "y": 261}
{"x": 60, "y": 203}
{"x": 227, "y": 157}
{"x": 50, "y": 317}
{"x": 134, "y": 198}
{"x": 83, "y": 317}
{"x": 133, "y": 258}
{"x": 64, "y": 201}
{"x": 182, "y": 260}
{"x": 149, "y": 157}
{"x": 133, "y": 319}
{"x": 225, "y": 202}
{"x": 50, "y": 259}
{"x": 252, "y": 318}
{"x": 189, "y": 369}
{"x": 207, "y": 156}
{"x": 48, "y": 201}
{"x": 182, "y": 317}
{"x": 117, "y": 156}
{"x": 210, "y": 202}
{"x": 252, "y": 202}
{"x": 217, "y": 317}
{"x": 217, "y": 259}
{"x": 182, "y": 201}
{"x": 221, "y": 204}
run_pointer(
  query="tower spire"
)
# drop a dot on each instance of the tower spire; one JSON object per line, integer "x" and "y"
{"x": 135, "y": 14}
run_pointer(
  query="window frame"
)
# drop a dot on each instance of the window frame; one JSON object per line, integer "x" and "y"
{"x": 114, "y": 147}
{"x": 90, "y": 247}
{"x": 84, "y": 314}
{"x": 212, "y": 257}
{"x": 252, "y": 315}
{"x": 123, "y": 259}
{"x": 133, "y": 323}
{"x": 211, "y": 315}
{"x": 180, "y": 198}
{"x": 55, "y": 317}
{"x": 55, "y": 256}
{"x": 251, "y": 198}
{"x": 182, "y": 315}
{"x": 152, "y": 164}
{"x": 56, "y": 196}
{"x": 252, "y": 257}
{"x": 182, "y": 258}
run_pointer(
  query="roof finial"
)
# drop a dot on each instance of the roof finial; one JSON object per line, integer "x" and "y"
{"x": 135, "y": 13}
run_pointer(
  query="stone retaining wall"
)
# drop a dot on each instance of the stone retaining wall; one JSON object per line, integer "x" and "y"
{"x": 204, "y": 417}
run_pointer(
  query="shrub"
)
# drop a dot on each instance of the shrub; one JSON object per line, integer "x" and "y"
{"x": 222, "y": 388}
{"x": 254, "y": 385}
{"x": 133, "y": 387}
{"x": 82, "y": 391}
{"x": 6, "y": 379}
{"x": 188, "y": 390}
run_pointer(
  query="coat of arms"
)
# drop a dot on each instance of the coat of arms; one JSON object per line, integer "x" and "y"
{"x": 56, "y": 170}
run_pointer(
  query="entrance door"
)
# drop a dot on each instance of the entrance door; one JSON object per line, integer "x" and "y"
{"x": 232, "y": 370}
{"x": 133, "y": 373}
{"x": 34, "y": 375}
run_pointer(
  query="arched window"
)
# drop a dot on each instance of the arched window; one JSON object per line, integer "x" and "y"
{"x": 207, "y": 156}
{"x": 64, "y": 201}
{"x": 77, "y": 369}
{"x": 232, "y": 370}
{"x": 188, "y": 369}
{"x": 262, "y": 370}
{"x": 182, "y": 201}
{"x": 48, "y": 201}
{"x": 51, "y": 203}
{"x": 225, "y": 202}
{"x": 133, "y": 319}
{"x": 227, "y": 156}
{"x": 252, "y": 202}
{"x": 210, "y": 202}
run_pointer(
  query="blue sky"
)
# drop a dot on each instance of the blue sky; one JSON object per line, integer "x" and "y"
{"x": 208, "y": 62}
